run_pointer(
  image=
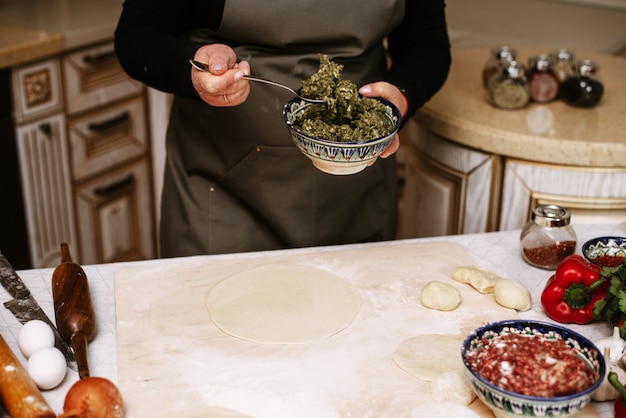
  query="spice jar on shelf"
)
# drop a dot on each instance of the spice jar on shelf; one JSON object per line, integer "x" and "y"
{"x": 508, "y": 89}
{"x": 542, "y": 80}
{"x": 548, "y": 237}
{"x": 583, "y": 87}
{"x": 563, "y": 60}
{"x": 498, "y": 55}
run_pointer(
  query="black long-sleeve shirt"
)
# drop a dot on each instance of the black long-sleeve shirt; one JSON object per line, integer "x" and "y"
{"x": 152, "y": 48}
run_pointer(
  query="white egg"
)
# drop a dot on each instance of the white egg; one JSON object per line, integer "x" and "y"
{"x": 47, "y": 367}
{"x": 33, "y": 336}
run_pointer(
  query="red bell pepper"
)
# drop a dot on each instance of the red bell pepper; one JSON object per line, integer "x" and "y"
{"x": 620, "y": 403}
{"x": 572, "y": 291}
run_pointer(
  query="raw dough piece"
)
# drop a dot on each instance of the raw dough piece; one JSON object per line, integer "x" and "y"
{"x": 512, "y": 294}
{"x": 452, "y": 386}
{"x": 443, "y": 410}
{"x": 482, "y": 280}
{"x": 440, "y": 295}
{"x": 427, "y": 356}
{"x": 282, "y": 304}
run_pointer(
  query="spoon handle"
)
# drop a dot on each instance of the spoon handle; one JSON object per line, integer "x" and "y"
{"x": 273, "y": 83}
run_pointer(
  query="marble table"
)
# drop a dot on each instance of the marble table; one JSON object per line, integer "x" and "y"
{"x": 497, "y": 251}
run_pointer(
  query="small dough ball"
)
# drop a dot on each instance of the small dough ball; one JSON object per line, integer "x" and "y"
{"x": 47, "y": 367}
{"x": 441, "y": 296}
{"x": 33, "y": 336}
{"x": 452, "y": 386}
{"x": 512, "y": 294}
{"x": 482, "y": 280}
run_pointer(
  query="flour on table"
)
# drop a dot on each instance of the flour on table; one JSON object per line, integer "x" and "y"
{"x": 214, "y": 412}
{"x": 443, "y": 410}
{"x": 283, "y": 304}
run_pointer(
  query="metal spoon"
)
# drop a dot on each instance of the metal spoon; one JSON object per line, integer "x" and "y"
{"x": 204, "y": 67}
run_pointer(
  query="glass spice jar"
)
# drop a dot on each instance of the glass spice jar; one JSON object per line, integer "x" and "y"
{"x": 548, "y": 237}
{"x": 583, "y": 88}
{"x": 542, "y": 80}
{"x": 563, "y": 60}
{"x": 508, "y": 89}
{"x": 498, "y": 55}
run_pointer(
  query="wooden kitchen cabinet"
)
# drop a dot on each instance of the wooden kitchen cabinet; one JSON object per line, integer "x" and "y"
{"x": 84, "y": 149}
{"x": 453, "y": 189}
{"x": 109, "y": 148}
{"x": 43, "y": 161}
{"x": 448, "y": 189}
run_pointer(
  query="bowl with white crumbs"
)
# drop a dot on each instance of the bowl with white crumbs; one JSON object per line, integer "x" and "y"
{"x": 532, "y": 368}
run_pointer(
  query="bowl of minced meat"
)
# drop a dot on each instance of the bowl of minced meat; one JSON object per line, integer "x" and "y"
{"x": 347, "y": 132}
{"x": 532, "y": 368}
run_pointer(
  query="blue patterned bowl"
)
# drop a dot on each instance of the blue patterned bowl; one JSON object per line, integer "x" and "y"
{"x": 605, "y": 251}
{"x": 505, "y": 403}
{"x": 334, "y": 157}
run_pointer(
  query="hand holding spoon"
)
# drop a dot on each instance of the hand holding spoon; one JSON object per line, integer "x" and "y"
{"x": 205, "y": 68}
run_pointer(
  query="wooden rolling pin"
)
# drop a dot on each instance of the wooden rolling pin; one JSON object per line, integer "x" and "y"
{"x": 19, "y": 394}
{"x": 73, "y": 309}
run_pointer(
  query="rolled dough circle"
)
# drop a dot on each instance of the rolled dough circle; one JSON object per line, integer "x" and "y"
{"x": 283, "y": 304}
{"x": 427, "y": 356}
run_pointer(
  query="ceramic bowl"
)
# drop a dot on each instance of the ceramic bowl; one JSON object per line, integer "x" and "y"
{"x": 505, "y": 403}
{"x": 605, "y": 251}
{"x": 339, "y": 158}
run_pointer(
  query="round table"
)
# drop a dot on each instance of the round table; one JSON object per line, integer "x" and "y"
{"x": 553, "y": 132}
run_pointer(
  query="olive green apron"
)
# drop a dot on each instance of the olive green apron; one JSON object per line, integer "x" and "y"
{"x": 233, "y": 180}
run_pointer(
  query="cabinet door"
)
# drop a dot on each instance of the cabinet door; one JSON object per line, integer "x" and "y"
{"x": 448, "y": 189}
{"x": 116, "y": 217}
{"x": 47, "y": 189}
{"x": 593, "y": 195}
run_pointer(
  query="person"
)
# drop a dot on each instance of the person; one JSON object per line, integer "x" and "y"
{"x": 233, "y": 179}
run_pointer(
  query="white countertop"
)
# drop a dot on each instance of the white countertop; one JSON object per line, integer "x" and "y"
{"x": 498, "y": 251}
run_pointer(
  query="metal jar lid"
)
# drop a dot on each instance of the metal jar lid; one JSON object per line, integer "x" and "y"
{"x": 586, "y": 68}
{"x": 503, "y": 52}
{"x": 540, "y": 62}
{"x": 551, "y": 216}
{"x": 513, "y": 69}
{"x": 563, "y": 55}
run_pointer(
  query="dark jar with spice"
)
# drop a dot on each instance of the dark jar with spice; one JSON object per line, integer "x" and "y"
{"x": 542, "y": 80}
{"x": 583, "y": 88}
{"x": 508, "y": 89}
{"x": 498, "y": 55}
{"x": 548, "y": 237}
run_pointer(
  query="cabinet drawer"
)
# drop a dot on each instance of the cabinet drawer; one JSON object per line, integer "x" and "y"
{"x": 107, "y": 138}
{"x": 94, "y": 77}
{"x": 592, "y": 195}
{"x": 37, "y": 90}
{"x": 115, "y": 214}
